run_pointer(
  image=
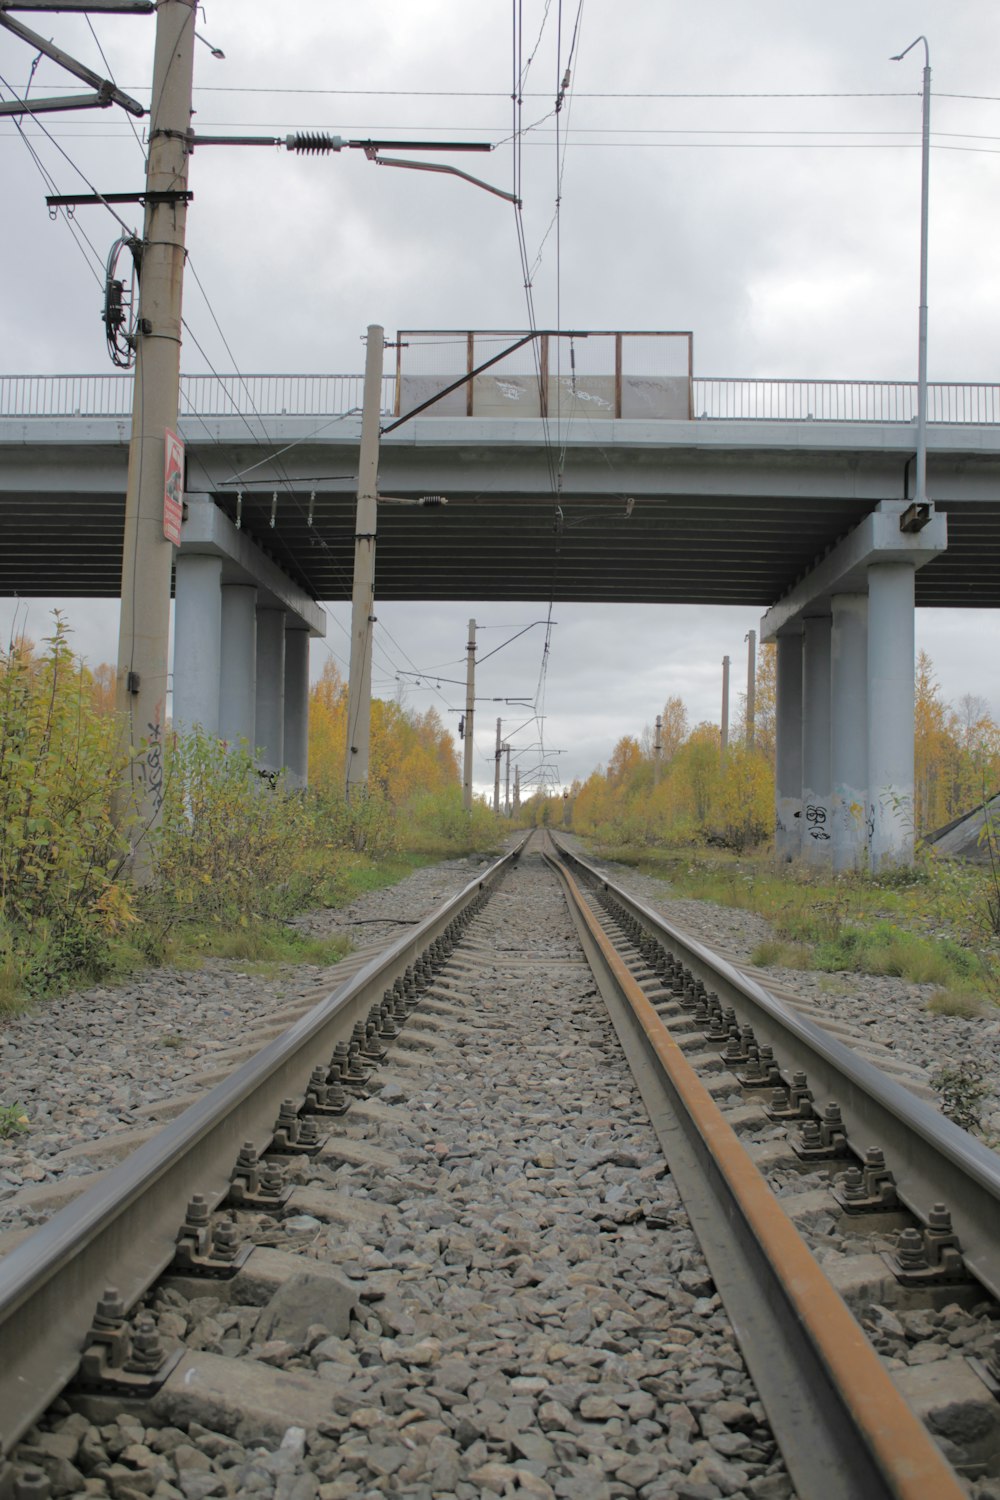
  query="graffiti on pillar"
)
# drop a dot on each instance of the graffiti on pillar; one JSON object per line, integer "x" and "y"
{"x": 870, "y": 822}
{"x": 816, "y": 817}
{"x": 152, "y": 764}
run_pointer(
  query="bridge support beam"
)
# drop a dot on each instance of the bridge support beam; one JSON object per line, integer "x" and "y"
{"x": 876, "y": 563}
{"x": 788, "y": 756}
{"x": 890, "y": 714}
{"x": 296, "y": 706}
{"x": 816, "y": 789}
{"x": 849, "y": 729}
{"x": 197, "y": 642}
{"x": 235, "y": 673}
{"x": 269, "y": 729}
{"x": 238, "y": 671}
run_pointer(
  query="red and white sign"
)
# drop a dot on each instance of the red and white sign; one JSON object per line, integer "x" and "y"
{"x": 173, "y": 487}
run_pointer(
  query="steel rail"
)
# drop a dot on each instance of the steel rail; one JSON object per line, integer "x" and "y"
{"x": 843, "y": 1428}
{"x": 122, "y": 1231}
{"x": 931, "y": 1158}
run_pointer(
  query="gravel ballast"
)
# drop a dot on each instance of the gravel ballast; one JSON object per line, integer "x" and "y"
{"x": 893, "y": 1012}
{"x": 522, "y": 1329}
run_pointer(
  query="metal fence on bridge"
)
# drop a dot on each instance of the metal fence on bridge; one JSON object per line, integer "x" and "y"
{"x": 718, "y": 398}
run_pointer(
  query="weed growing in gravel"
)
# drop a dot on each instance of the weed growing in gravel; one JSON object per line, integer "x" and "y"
{"x": 263, "y": 943}
{"x": 13, "y": 1121}
{"x": 923, "y": 925}
{"x": 774, "y": 954}
{"x": 884, "y": 948}
{"x": 963, "y": 1088}
{"x": 956, "y": 1000}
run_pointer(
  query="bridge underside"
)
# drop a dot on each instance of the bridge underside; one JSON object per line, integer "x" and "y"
{"x": 709, "y": 517}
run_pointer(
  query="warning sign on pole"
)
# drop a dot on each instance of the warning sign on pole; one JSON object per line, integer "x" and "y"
{"x": 173, "y": 487}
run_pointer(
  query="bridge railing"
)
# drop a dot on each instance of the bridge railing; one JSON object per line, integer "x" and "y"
{"x": 724, "y": 398}
{"x": 200, "y": 395}
{"x": 720, "y": 398}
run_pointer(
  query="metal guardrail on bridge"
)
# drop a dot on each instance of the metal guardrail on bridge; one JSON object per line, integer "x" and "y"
{"x": 717, "y": 398}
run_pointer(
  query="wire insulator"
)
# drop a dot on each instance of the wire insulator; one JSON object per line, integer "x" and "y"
{"x": 314, "y": 143}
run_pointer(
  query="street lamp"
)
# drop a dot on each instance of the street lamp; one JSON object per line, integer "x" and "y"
{"x": 920, "y": 495}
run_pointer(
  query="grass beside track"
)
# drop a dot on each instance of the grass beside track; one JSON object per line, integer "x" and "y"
{"x": 929, "y": 924}
{"x": 263, "y": 941}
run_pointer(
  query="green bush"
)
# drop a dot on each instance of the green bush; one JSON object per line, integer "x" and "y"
{"x": 62, "y": 907}
{"x": 231, "y": 845}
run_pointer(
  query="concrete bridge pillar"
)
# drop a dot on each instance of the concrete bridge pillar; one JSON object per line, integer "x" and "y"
{"x": 849, "y": 729}
{"x": 296, "y": 705}
{"x": 269, "y": 732}
{"x": 890, "y": 713}
{"x": 788, "y": 757}
{"x": 817, "y": 842}
{"x": 238, "y": 675}
{"x": 197, "y": 642}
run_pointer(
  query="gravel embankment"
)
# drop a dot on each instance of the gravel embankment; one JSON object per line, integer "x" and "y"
{"x": 894, "y": 1011}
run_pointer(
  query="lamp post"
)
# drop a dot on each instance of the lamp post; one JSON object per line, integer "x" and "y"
{"x": 920, "y": 494}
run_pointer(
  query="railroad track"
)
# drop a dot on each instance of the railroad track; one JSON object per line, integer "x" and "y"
{"x": 367, "y": 1151}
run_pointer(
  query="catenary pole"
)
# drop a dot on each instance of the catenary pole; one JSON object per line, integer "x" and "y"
{"x": 657, "y": 749}
{"x": 725, "y": 707}
{"x": 147, "y": 554}
{"x": 496, "y": 774}
{"x": 506, "y": 785}
{"x": 470, "y": 708}
{"x": 920, "y": 477}
{"x": 751, "y": 685}
{"x": 359, "y": 687}
{"x": 517, "y": 788}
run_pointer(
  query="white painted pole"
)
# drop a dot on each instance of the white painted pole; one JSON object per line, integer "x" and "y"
{"x": 359, "y": 687}
{"x": 657, "y": 750}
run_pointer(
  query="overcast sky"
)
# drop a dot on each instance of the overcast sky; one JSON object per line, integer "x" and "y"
{"x": 748, "y": 172}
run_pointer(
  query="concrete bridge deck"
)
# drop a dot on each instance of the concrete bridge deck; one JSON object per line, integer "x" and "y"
{"x": 712, "y": 510}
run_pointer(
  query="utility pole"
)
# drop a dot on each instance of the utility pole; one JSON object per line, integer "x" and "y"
{"x": 359, "y": 687}
{"x": 751, "y": 684}
{"x": 506, "y": 785}
{"x": 657, "y": 749}
{"x": 147, "y": 555}
{"x": 496, "y": 775}
{"x": 725, "y": 706}
{"x": 517, "y": 788}
{"x": 470, "y": 708}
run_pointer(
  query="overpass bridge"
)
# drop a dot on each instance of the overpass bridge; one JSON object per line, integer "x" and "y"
{"x": 623, "y": 478}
